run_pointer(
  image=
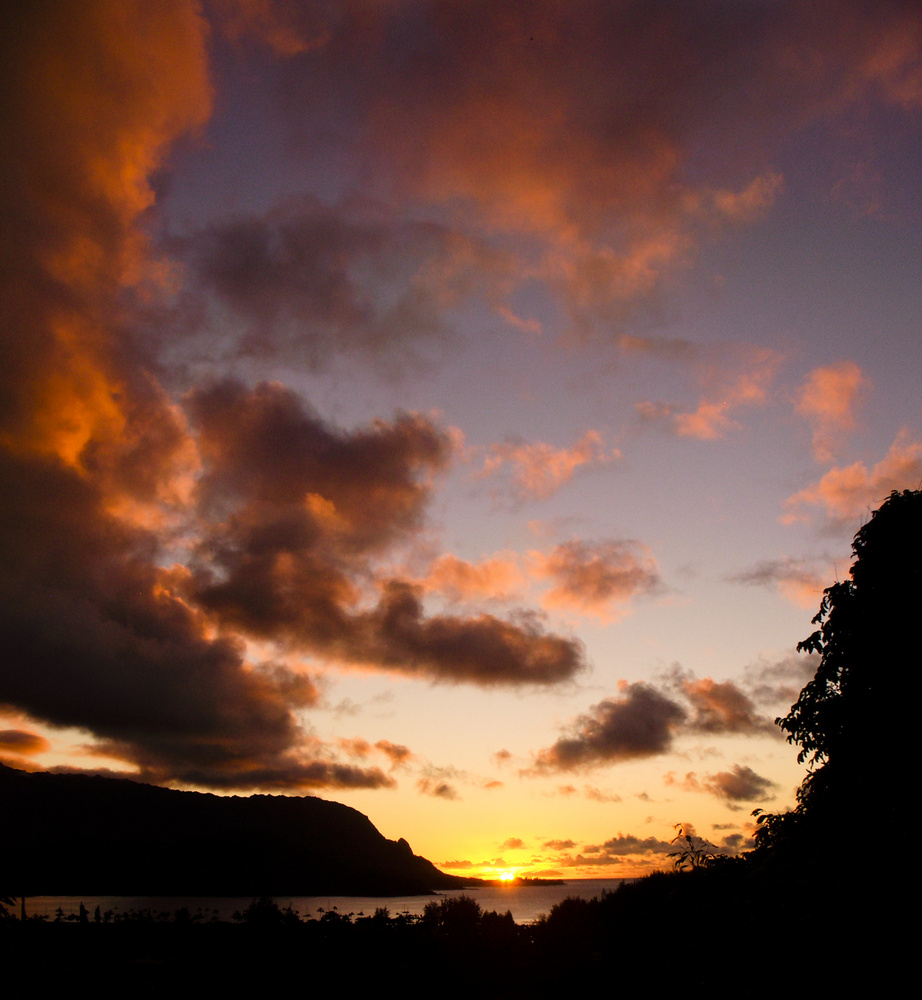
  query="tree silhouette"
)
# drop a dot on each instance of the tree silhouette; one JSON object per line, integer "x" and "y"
{"x": 853, "y": 720}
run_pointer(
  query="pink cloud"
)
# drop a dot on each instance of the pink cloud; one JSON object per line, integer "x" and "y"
{"x": 741, "y": 379}
{"x": 827, "y": 400}
{"x": 846, "y": 493}
{"x": 598, "y": 578}
{"x": 539, "y": 469}
{"x": 497, "y": 576}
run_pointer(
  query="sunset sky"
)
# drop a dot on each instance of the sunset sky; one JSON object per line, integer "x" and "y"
{"x": 454, "y": 409}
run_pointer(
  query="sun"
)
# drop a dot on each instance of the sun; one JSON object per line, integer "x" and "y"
{"x": 506, "y": 876}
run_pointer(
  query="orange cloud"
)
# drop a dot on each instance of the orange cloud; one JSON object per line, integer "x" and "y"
{"x": 497, "y": 576}
{"x": 844, "y": 494}
{"x": 753, "y": 201}
{"x": 827, "y": 399}
{"x": 539, "y": 469}
{"x": 723, "y": 708}
{"x": 287, "y": 29}
{"x": 101, "y": 94}
{"x": 596, "y": 578}
{"x": 740, "y": 379}
{"x": 19, "y": 741}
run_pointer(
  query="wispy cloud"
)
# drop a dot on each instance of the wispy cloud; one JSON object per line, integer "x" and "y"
{"x": 796, "y": 579}
{"x": 740, "y": 379}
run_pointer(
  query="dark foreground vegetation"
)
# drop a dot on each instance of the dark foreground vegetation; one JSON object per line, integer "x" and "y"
{"x": 724, "y": 928}
{"x": 824, "y": 904}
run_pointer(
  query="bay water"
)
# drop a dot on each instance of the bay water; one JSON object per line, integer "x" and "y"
{"x": 525, "y": 902}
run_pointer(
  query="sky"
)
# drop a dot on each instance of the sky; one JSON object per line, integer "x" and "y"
{"x": 453, "y": 409}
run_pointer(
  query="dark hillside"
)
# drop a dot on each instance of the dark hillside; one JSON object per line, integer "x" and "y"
{"x": 70, "y": 834}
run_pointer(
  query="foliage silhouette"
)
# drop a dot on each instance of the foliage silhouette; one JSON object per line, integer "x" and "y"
{"x": 852, "y": 721}
{"x": 692, "y": 851}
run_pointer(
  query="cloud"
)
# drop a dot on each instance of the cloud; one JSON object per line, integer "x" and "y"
{"x": 628, "y": 844}
{"x": 595, "y": 131}
{"x": 779, "y": 682}
{"x": 845, "y": 494}
{"x": 827, "y": 400}
{"x": 640, "y": 722}
{"x": 558, "y": 845}
{"x": 398, "y": 754}
{"x": 644, "y": 721}
{"x": 295, "y": 514}
{"x": 19, "y": 741}
{"x": 512, "y": 843}
{"x": 795, "y": 581}
{"x": 309, "y": 281}
{"x": 287, "y": 29}
{"x": 598, "y": 795}
{"x": 734, "y": 377}
{"x": 437, "y": 789}
{"x": 96, "y": 463}
{"x": 145, "y": 537}
{"x": 741, "y": 784}
{"x": 596, "y": 578}
{"x": 539, "y": 469}
{"x": 498, "y": 577}
{"x": 722, "y": 708}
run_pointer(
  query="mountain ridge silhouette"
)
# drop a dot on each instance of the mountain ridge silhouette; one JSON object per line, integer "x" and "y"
{"x": 71, "y": 834}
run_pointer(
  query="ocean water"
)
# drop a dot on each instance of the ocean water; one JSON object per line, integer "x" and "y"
{"x": 525, "y": 902}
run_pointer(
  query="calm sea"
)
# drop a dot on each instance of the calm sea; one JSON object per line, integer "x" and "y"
{"x": 526, "y": 903}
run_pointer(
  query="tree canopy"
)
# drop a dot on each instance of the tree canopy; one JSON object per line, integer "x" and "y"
{"x": 852, "y": 721}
